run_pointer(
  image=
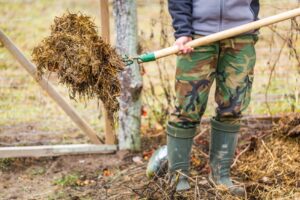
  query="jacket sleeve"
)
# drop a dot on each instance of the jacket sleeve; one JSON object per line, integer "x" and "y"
{"x": 181, "y": 13}
{"x": 255, "y": 8}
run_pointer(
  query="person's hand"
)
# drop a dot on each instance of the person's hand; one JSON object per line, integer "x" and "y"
{"x": 181, "y": 41}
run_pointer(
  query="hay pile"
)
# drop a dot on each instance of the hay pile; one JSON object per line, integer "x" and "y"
{"x": 272, "y": 169}
{"x": 269, "y": 168}
{"x": 81, "y": 59}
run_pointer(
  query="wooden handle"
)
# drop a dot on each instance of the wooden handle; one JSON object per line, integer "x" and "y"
{"x": 230, "y": 32}
{"x": 31, "y": 69}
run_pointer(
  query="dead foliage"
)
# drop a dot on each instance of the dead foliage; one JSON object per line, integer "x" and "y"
{"x": 81, "y": 59}
{"x": 268, "y": 166}
{"x": 272, "y": 169}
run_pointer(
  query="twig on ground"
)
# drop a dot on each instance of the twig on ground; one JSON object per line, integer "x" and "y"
{"x": 166, "y": 195}
{"x": 241, "y": 153}
{"x": 265, "y": 146}
{"x": 179, "y": 172}
{"x": 134, "y": 190}
{"x": 157, "y": 134}
{"x": 204, "y": 154}
{"x": 197, "y": 192}
{"x": 200, "y": 134}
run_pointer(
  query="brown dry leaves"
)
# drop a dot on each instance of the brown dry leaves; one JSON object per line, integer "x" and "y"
{"x": 81, "y": 59}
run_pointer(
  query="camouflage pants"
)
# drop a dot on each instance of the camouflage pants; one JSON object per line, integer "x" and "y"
{"x": 231, "y": 63}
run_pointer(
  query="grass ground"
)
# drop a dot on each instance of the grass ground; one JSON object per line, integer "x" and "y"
{"x": 27, "y": 22}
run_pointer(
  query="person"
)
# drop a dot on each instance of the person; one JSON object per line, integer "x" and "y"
{"x": 230, "y": 63}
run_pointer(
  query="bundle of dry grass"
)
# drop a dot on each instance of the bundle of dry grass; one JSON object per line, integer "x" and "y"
{"x": 81, "y": 59}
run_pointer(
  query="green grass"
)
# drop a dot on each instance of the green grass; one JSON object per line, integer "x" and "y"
{"x": 5, "y": 163}
{"x": 37, "y": 171}
{"x": 23, "y": 101}
{"x": 68, "y": 180}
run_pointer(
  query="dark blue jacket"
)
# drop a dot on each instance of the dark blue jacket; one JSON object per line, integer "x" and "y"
{"x": 205, "y": 17}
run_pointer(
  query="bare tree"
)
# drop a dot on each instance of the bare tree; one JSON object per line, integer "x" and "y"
{"x": 131, "y": 81}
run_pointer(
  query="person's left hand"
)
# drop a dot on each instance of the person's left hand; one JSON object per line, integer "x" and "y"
{"x": 181, "y": 41}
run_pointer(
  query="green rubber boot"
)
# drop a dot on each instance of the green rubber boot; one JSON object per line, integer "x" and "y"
{"x": 222, "y": 149}
{"x": 179, "y": 144}
{"x": 158, "y": 163}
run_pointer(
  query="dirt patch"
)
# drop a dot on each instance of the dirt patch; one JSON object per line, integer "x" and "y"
{"x": 122, "y": 176}
{"x": 48, "y": 178}
{"x": 26, "y": 134}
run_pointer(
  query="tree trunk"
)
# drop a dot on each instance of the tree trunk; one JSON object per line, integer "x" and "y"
{"x": 131, "y": 81}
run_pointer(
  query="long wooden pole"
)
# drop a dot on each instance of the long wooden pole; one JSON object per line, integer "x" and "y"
{"x": 230, "y": 32}
{"x": 110, "y": 136}
{"x": 56, "y": 150}
{"x": 48, "y": 87}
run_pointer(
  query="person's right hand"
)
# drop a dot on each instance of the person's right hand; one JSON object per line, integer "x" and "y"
{"x": 181, "y": 41}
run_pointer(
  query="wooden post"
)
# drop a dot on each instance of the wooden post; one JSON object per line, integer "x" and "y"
{"x": 104, "y": 11}
{"x": 110, "y": 136}
{"x": 48, "y": 87}
{"x": 131, "y": 81}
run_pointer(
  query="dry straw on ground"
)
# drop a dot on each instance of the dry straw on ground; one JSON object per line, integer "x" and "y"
{"x": 269, "y": 168}
{"x": 81, "y": 59}
{"x": 272, "y": 170}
